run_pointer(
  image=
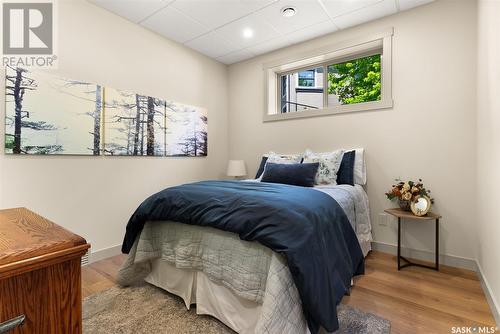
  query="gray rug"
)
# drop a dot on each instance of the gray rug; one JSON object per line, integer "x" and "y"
{"x": 147, "y": 309}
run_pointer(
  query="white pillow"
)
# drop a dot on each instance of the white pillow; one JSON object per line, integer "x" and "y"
{"x": 359, "y": 166}
{"x": 329, "y": 164}
{"x": 277, "y": 158}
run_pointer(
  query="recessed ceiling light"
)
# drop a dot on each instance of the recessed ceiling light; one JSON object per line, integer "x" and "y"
{"x": 288, "y": 11}
{"x": 247, "y": 33}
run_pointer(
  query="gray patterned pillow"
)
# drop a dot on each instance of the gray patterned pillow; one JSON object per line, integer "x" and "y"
{"x": 329, "y": 164}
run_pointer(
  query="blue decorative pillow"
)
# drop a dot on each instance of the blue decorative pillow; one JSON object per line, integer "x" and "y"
{"x": 293, "y": 174}
{"x": 345, "y": 175}
{"x": 261, "y": 167}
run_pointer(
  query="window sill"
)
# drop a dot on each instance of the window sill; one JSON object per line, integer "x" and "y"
{"x": 358, "y": 107}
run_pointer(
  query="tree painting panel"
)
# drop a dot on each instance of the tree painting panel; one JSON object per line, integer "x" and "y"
{"x": 51, "y": 115}
{"x": 355, "y": 81}
{"x": 187, "y": 131}
{"x": 134, "y": 124}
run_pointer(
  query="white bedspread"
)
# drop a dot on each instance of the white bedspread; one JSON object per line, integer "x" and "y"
{"x": 354, "y": 201}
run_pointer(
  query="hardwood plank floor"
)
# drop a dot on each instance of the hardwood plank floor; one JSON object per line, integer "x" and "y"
{"x": 100, "y": 275}
{"x": 415, "y": 300}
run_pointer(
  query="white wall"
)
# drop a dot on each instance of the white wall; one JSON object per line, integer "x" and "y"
{"x": 488, "y": 145}
{"x": 95, "y": 196}
{"x": 429, "y": 133}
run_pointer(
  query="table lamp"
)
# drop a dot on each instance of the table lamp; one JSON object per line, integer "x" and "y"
{"x": 236, "y": 168}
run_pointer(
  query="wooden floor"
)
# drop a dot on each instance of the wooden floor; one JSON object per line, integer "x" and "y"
{"x": 415, "y": 300}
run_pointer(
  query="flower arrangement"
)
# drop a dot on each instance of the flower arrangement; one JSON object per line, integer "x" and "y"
{"x": 407, "y": 192}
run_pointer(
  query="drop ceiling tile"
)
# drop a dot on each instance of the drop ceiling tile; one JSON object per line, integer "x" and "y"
{"x": 214, "y": 14}
{"x": 211, "y": 44}
{"x": 313, "y": 31}
{"x": 262, "y": 31}
{"x": 215, "y": 27}
{"x": 366, "y": 14}
{"x": 173, "y": 24}
{"x": 340, "y": 7}
{"x": 408, "y": 4}
{"x": 307, "y": 13}
{"x": 273, "y": 44}
{"x": 236, "y": 56}
{"x": 133, "y": 10}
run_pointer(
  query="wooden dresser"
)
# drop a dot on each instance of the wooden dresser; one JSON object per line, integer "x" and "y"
{"x": 40, "y": 275}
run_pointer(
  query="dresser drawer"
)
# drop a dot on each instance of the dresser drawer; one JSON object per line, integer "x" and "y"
{"x": 49, "y": 298}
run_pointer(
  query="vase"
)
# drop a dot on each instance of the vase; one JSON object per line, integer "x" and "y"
{"x": 404, "y": 205}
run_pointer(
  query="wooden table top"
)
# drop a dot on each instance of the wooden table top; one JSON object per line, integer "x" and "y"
{"x": 26, "y": 235}
{"x": 397, "y": 212}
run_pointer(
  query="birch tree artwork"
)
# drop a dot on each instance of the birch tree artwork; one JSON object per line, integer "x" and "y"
{"x": 51, "y": 115}
{"x": 187, "y": 131}
{"x": 134, "y": 124}
{"x": 46, "y": 114}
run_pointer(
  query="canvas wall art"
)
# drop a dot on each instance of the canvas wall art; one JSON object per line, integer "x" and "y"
{"x": 134, "y": 124}
{"x": 186, "y": 130}
{"x": 51, "y": 115}
{"x": 46, "y": 114}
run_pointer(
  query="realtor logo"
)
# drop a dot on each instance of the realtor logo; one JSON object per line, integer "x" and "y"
{"x": 28, "y": 34}
{"x": 27, "y": 28}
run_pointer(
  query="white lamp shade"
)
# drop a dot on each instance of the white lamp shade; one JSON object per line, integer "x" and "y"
{"x": 236, "y": 168}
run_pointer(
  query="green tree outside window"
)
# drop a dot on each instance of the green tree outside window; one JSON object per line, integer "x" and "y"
{"x": 356, "y": 81}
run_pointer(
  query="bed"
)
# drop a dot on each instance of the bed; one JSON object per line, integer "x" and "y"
{"x": 239, "y": 279}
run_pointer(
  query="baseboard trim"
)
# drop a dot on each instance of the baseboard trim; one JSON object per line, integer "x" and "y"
{"x": 424, "y": 255}
{"x": 104, "y": 253}
{"x": 449, "y": 260}
{"x": 494, "y": 305}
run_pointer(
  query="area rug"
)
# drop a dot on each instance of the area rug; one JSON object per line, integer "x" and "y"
{"x": 146, "y": 309}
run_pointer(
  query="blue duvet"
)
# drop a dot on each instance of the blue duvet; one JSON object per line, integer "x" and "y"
{"x": 307, "y": 226}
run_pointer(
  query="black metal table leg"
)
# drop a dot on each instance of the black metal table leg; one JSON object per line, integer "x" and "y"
{"x": 437, "y": 244}
{"x": 399, "y": 243}
{"x": 409, "y": 263}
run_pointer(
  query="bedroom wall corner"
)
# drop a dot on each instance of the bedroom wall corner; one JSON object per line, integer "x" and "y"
{"x": 488, "y": 150}
{"x": 95, "y": 196}
{"x": 434, "y": 84}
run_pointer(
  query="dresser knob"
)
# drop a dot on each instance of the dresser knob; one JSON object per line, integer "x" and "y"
{"x": 11, "y": 324}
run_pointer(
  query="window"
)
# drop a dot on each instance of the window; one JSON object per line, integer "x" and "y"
{"x": 337, "y": 79}
{"x": 355, "y": 81}
{"x": 302, "y": 90}
{"x": 306, "y": 78}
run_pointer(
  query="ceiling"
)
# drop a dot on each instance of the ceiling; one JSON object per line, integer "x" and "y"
{"x": 216, "y": 28}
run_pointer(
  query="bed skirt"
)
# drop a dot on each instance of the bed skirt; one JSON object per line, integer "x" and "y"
{"x": 194, "y": 287}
